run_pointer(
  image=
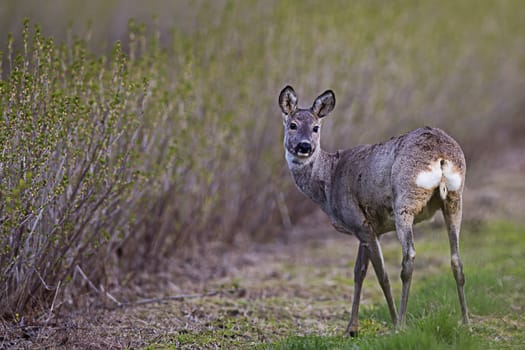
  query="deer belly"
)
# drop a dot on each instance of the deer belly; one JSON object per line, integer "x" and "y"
{"x": 381, "y": 219}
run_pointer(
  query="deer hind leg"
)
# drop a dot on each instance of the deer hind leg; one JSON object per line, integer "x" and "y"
{"x": 376, "y": 256}
{"x": 404, "y": 223}
{"x": 361, "y": 266}
{"x": 452, "y": 212}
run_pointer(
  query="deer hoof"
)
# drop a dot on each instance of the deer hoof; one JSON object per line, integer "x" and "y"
{"x": 351, "y": 332}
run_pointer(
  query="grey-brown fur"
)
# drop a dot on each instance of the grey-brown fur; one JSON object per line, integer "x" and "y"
{"x": 371, "y": 189}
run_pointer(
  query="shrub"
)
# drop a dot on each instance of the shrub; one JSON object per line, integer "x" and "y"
{"x": 100, "y": 153}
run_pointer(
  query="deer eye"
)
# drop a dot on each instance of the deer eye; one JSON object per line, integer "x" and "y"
{"x": 316, "y": 128}
{"x": 293, "y": 126}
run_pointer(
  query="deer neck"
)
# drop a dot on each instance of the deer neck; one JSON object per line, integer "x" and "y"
{"x": 314, "y": 177}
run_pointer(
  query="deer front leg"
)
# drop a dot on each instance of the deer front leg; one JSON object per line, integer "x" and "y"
{"x": 376, "y": 256}
{"x": 361, "y": 266}
{"x": 404, "y": 224}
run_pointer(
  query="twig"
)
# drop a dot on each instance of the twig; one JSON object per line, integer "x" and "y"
{"x": 46, "y": 286}
{"x": 112, "y": 298}
{"x": 283, "y": 210}
{"x": 53, "y": 303}
{"x": 51, "y": 309}
{"x": 109, "y": 296}
{"x": 178, "y": 297}
{"x": 87, "y": 279}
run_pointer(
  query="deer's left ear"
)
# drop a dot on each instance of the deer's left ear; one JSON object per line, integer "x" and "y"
{"x": 324, "y": 104}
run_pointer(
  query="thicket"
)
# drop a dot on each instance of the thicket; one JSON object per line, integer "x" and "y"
{"x": 169, "y": 140}
{"x": 105, "y": 156}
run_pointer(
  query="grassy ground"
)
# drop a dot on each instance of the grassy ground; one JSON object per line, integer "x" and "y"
{"x": 306, "y": 304}
{"x": 298, "y": 295}
{"x": 493, "y": 257}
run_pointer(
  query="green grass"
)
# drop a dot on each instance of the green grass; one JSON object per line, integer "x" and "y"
{"x": 493, "y": 258}
{"x": 310, "y": 309}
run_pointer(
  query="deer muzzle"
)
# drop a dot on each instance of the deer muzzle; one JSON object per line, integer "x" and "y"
{"x": 303, "y": 149}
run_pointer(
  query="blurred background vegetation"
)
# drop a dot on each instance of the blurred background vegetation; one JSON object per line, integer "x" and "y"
{"x": 132, "y": 132}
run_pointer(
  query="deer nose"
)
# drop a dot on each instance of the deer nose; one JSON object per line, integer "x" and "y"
{"x": 303, "y": 148}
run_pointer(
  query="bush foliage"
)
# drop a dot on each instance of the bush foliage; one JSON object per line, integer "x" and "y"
{"x": 169, "y": 140}
{"x": 102, "y": 154}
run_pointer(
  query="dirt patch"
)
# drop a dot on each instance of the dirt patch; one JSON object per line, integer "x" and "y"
{"x": 260, "y": 294}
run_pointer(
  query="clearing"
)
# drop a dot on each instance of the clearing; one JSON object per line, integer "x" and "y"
{"x": 298, "y": 295}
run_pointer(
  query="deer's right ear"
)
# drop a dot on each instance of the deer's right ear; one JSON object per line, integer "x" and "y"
{"x": 288, "y": 100}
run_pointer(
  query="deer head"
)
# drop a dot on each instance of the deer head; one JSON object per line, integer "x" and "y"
{"x": 302, "y": 127}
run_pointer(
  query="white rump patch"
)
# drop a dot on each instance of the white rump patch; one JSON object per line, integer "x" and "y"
{"x": 430, "y": 179}
{"x": 452, "y": 177}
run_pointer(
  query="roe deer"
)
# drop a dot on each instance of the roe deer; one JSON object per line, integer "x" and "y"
{"x": 372, "y": 189}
